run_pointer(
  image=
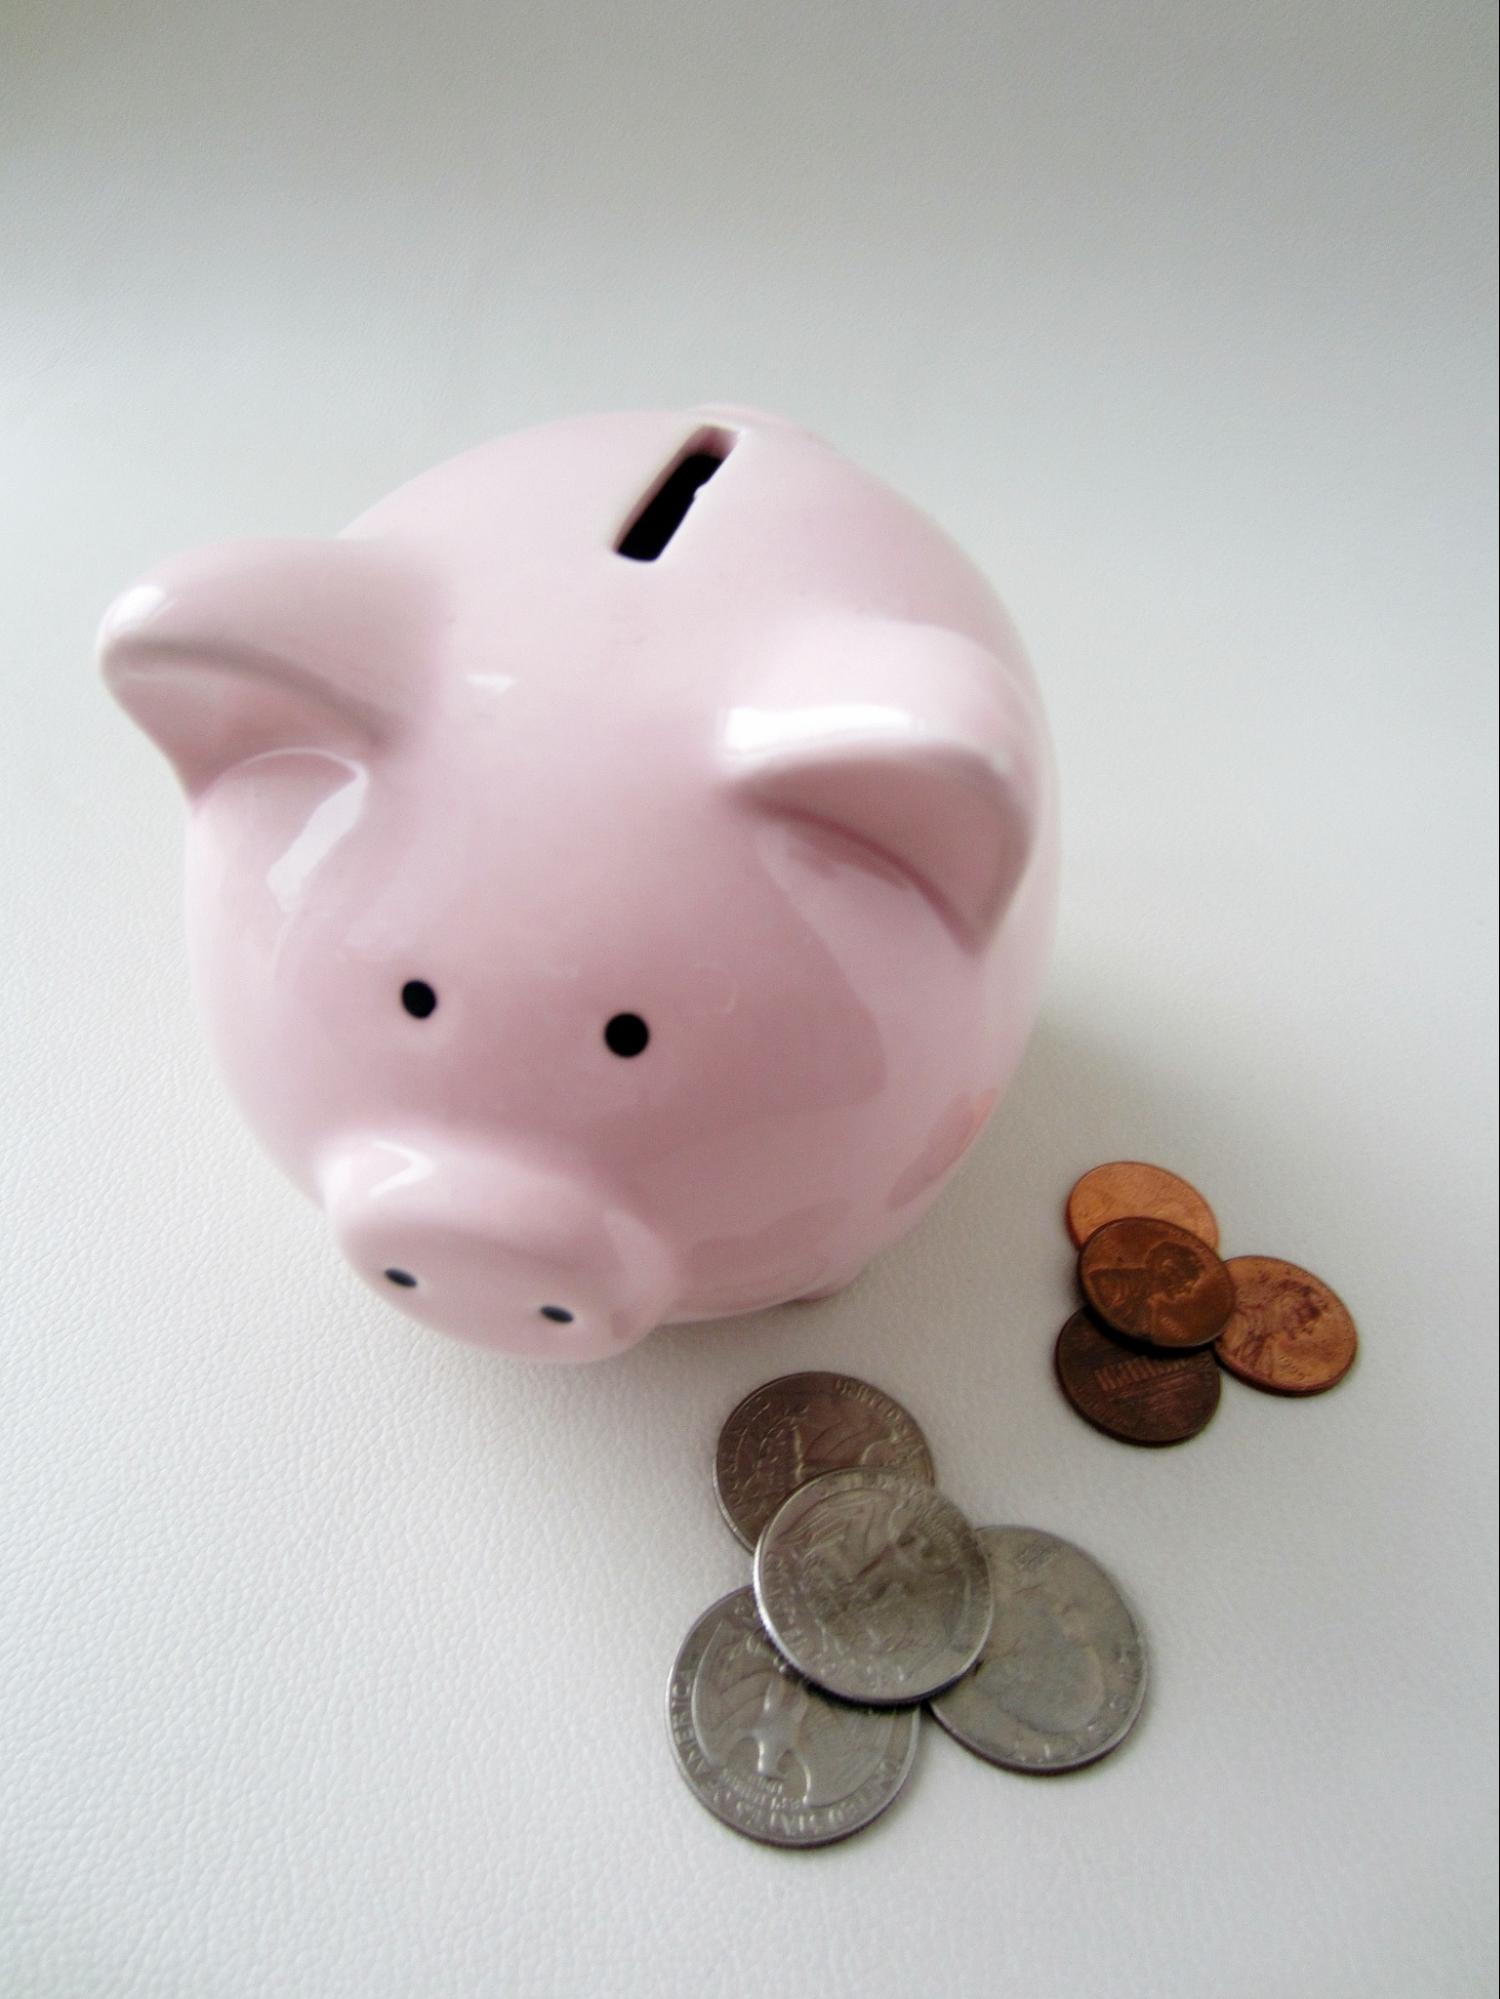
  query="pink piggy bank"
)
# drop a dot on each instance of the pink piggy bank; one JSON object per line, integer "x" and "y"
{"x": 621, "y": 867}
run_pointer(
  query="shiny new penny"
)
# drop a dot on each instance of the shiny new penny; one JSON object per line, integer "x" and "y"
{"x": 1140, "y": 1398}
{"x": 1130, "y": 1187}
{"x": 1288, "y": 1332}
{"x": 1155, "y": 1282}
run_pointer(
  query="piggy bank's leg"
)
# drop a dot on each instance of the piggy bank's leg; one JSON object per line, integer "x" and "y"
{"x": 829, "y": 1291}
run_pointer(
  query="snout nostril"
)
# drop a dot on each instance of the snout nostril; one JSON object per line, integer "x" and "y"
{"x": 558, "y": 1314}
{"x": 401, "y": 1277}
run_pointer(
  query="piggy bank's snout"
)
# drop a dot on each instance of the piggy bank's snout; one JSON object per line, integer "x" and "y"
{"x": 497, "y": 1252}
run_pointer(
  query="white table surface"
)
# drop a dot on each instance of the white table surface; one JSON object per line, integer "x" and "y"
{"x": 332, "y": 1653}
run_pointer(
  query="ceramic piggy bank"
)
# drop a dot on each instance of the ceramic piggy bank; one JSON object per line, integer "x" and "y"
{"x": 621, "y": 867}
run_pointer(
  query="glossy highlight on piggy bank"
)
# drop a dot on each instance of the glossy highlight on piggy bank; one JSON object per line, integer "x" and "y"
{"x": 621, "y": 867}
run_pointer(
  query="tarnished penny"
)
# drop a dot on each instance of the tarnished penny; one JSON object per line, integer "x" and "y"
{"x": 1288, "y": 1332}
{"x": 767, "y": 1753}
{"x": 873, "y": 1587}
{"x": 1063, "y": 1672}
{"x": 1139, "y": 1398}
{"x": 1130, "y": 1187}
{"x": 796, "y": 1428}
{"x": 1155, "y": 1282}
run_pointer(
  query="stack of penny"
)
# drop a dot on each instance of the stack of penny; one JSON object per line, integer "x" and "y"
{"x": 794, "y": 1704}
{"x": 1163, "y": 1314}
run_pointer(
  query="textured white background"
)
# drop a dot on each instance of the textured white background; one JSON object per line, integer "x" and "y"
{"x": 331, "y": 1654}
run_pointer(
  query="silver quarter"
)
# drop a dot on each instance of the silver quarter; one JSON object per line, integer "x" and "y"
{"x": 767, "y": 1753}
{"x": 873, "y": 1586}
{"x": 795, "y": 1429}
{"x": 1062, "y": 1676}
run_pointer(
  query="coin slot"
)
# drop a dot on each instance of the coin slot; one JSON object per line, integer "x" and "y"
{"x": 665, "y": 507}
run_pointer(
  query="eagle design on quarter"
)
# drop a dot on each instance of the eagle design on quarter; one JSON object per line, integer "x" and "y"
{"x": 756, "y": 1720}
{"x": 873, "y": 1587}
{"x": 793, "y": 1430}
{"x": 868, "y": 1575}
{"x": 826, "y": 1432}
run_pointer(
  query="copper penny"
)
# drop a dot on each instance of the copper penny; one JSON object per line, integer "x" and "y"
{"x": 1140, "y": 1398}
{"x": 1155, "y": 1282}
{"x": 1288, "y": 1332}
{"x": 1129, "y": 1187}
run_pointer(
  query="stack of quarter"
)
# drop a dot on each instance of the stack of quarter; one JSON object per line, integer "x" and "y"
{"x": 793, "y": 1705}
{"x": 1163, "y": 1314}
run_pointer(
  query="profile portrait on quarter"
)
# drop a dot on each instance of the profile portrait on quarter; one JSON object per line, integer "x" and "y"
{"x": 1063, "y": 1672}
{"x": 796, "y": 1428}
{"x": 873, "y": 1586}
{"x": 767, "y": 1753}
{"x": 1155, "y": 1282}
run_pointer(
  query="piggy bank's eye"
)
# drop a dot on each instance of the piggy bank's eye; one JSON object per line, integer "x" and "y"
{"x": 418, "y": 998}
{"x": 626, "y": 1034}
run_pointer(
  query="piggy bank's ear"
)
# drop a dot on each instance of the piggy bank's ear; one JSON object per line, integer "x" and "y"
{"x": 913, "y": 739}
{"x": 230, "y": 651}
